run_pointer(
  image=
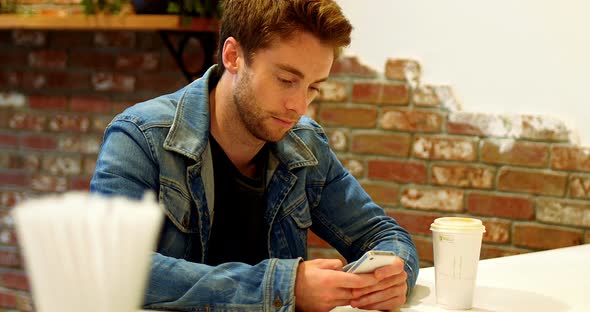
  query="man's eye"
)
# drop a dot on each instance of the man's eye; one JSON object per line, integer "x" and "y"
{"x": 285, "y": 81}
{"x": 315, "y": 89}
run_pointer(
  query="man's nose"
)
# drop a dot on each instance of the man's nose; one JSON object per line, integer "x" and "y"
{"x": 298, "y": 103}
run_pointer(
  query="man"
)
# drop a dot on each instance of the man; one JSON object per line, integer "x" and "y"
{"x": 243, "y": 176}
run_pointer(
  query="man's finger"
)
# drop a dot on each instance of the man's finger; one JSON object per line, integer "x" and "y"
{"x": 396, "y": 267}
{"x": 354, "y": 280}
{"x": 383, "y": 295}
{"x": 392, "y": 281}
{"x": 391, "y": 304}
{"x": 329, "y": 264}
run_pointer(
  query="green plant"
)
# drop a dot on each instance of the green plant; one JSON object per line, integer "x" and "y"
{"x": 103, "y": 6}
{"x": 7, "y": 6}
{"x": 198, "y": 8}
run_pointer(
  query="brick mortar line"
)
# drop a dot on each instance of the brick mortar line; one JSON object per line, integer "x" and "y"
{"x": 536, "y": 222}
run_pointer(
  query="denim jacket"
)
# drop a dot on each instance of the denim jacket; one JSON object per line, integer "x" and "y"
{"x": 161, "y": 145}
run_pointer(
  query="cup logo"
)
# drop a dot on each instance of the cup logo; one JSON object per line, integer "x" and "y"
{"x": 446, "y": 238}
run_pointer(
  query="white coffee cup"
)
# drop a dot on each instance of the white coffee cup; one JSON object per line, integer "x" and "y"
{"x": 456, "y": 243}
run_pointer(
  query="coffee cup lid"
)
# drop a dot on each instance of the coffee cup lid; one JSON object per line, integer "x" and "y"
{"x": 457, "y": 224}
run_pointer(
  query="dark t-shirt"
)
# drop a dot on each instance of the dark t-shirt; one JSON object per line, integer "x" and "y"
{"x": 238, "y": 233}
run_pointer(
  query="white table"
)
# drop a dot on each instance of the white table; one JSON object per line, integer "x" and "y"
{"x": 553, "y": 280}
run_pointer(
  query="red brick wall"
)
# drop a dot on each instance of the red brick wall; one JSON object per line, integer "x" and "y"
{"x": 409, "y": 145}
{"x": 58, "y": 91}
{"x": 421, "y": 157}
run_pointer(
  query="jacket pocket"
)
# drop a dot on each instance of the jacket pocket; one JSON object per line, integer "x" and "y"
{"x": 294, "y": 225}
{"x": 179, "y": 208}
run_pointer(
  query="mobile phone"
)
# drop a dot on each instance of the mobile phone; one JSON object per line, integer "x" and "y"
{"x": 370, "y": 261}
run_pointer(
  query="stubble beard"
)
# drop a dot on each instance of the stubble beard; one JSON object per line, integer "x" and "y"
{"x": 251, "y": 115}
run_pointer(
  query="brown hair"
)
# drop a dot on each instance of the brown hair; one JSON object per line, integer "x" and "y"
{"x": 256, "y": 23}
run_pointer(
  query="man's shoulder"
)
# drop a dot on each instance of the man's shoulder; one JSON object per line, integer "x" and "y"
{"x": 159, "y": 111}
{"x": 309, "y": 131}
{"x": 306, "y": 123}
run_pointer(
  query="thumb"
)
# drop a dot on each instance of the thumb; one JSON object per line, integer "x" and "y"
{"x": 330, "y": 264}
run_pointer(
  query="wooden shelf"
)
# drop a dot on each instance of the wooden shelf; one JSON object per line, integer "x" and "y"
{"x": 109, "y": 22}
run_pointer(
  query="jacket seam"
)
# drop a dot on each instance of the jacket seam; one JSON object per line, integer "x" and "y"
{"x": 148, "y": 143}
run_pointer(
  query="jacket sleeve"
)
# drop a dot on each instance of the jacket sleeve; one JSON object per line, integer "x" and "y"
{"x": 127, "y": 166}
{"x": 348, "y": 219}
{"x": 188, "y": 286}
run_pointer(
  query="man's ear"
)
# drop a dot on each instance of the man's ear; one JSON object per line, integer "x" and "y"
{"x": 232, "y": 53}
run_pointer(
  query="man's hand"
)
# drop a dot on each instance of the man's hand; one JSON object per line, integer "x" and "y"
{"x": 321, "y": 285}
{"x": 388, "y": 294}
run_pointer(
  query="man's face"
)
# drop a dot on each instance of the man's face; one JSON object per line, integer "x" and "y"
{"x": 272, "y": 92}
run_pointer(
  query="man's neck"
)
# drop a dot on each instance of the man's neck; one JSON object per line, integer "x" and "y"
{"x": 237, "y": 142}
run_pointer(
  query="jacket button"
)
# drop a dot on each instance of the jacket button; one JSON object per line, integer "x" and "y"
{"x": 278, "y": 302}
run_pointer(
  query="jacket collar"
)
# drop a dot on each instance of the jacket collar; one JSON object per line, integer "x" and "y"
{"x": 189, "y": 133}
{"x": 293, "y": 152}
